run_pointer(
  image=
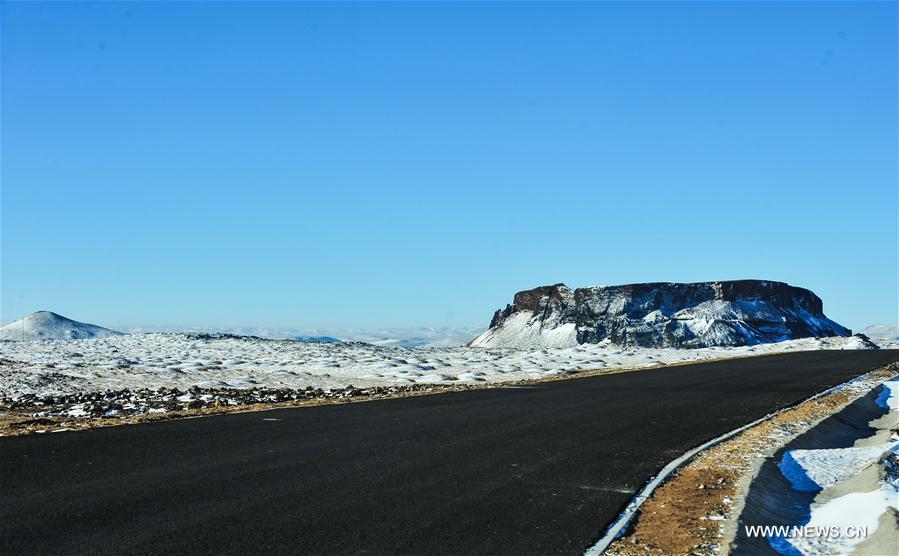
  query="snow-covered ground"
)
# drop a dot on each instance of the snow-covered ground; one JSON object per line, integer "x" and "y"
{"x": 414, "y": 336}
{"x": 182, "y": 360}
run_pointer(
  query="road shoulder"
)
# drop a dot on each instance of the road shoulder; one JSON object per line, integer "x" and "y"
{"x": 696, "y": 510}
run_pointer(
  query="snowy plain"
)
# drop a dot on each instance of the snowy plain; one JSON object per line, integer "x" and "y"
{"x": 183, "y": 360}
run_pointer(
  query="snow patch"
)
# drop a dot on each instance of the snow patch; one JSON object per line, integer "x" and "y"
{"x": 524, "y": 331}
{"x": 889, "y": 396}
{"x": 858, "y": 509}
{"x": 811, "y": 470}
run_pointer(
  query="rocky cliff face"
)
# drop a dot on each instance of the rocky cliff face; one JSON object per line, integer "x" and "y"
{"x": 702, "y": 314}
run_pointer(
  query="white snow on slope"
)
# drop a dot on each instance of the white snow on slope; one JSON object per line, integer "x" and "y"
{"x": 889, "y": 398}
{"x": 814, "y": 469}
{"x": 854, "y": 342}
{"x": 183, "y": 360}
{"x": 524, "y": 331}
{"x": 44, "y": 325}
{"x": 858, "y": 510}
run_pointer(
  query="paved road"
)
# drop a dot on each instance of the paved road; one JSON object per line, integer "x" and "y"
{"x": 533, "y": 470}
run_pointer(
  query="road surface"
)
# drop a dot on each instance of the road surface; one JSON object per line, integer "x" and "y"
{"x": 521, "y": 470}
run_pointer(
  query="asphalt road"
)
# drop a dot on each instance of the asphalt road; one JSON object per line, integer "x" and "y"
{"x": 529, "y": 470}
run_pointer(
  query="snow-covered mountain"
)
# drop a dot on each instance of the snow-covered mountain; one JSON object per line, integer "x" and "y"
{"x": 702, "y": 314}
{"x": 890, "y": 331}
{"x": 44, "y": 325}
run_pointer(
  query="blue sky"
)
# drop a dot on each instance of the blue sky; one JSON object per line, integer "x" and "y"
{"x": 289, "y": 164}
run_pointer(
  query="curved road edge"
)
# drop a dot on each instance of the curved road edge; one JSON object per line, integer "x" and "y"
{"x": 853, "y": 389}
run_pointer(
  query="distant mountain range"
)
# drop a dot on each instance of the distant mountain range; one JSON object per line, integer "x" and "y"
{"x": 890, "y": 331}
{"x": 423, "y": 336}
{"x": 702, "y": 314}
{"x": 44, "y": 325}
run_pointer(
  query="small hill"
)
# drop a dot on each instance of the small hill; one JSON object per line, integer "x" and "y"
{"x": 44, "y": 325}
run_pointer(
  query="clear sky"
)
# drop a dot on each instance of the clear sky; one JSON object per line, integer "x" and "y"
{"x": 288, "y": 164}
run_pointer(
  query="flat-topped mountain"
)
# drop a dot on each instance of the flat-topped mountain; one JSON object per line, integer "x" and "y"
{"x": 663, "y": 314}
{"x": 44, "y": 325}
